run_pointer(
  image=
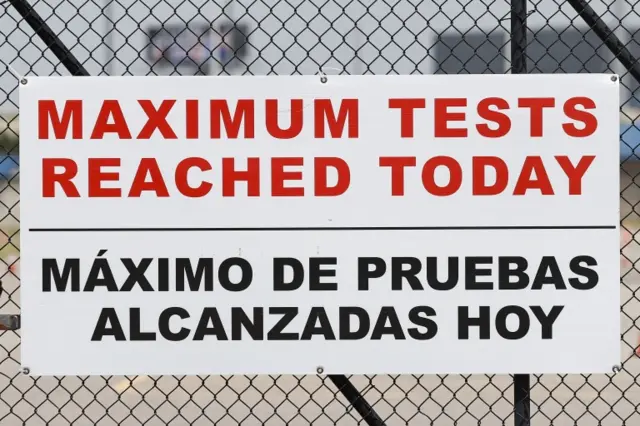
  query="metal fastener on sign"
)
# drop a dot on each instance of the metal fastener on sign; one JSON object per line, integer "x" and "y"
{"x": 614, "y": 78}
{"x": 26, "y": 370}
{"x": 616, "y": 368}
{"x": 320, "y": 370}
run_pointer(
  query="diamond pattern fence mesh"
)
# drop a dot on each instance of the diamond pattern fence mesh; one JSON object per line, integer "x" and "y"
{"x": 257, "y": 37}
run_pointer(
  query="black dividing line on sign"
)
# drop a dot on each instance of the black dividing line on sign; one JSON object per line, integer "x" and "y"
{"x": 328, "y": 228}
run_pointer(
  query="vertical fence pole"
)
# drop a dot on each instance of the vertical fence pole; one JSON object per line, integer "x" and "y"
{"x": 521, "y": 382}
{"x": 518, "y": 36}
{"x": 109, "y": 28}
{"x": 522, "y": 399}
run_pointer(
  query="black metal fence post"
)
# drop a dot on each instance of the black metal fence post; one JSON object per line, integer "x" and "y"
{"x": 50, "y": 39}
{"x": 518, "y": 36}
{"x": 522, "y": 399}
{"x": 607, "y": 36}
{"x": 356, "y": 400}
{"x": 521, "y": 382}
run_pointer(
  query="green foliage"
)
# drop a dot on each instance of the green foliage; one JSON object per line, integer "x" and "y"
{"x": 8, "y": 134}
{"x": 8, "y": 142}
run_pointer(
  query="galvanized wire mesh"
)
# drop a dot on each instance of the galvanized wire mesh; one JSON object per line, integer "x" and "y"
{"x": 133, "y": 37}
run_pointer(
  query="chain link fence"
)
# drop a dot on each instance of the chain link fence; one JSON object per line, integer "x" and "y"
{"x": 198, "y": 37}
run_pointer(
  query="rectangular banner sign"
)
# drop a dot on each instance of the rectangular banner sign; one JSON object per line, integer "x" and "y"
{"x": 301, "y": 224}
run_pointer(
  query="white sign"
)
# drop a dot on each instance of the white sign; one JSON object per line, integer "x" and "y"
{"x": 361, "y": 224}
